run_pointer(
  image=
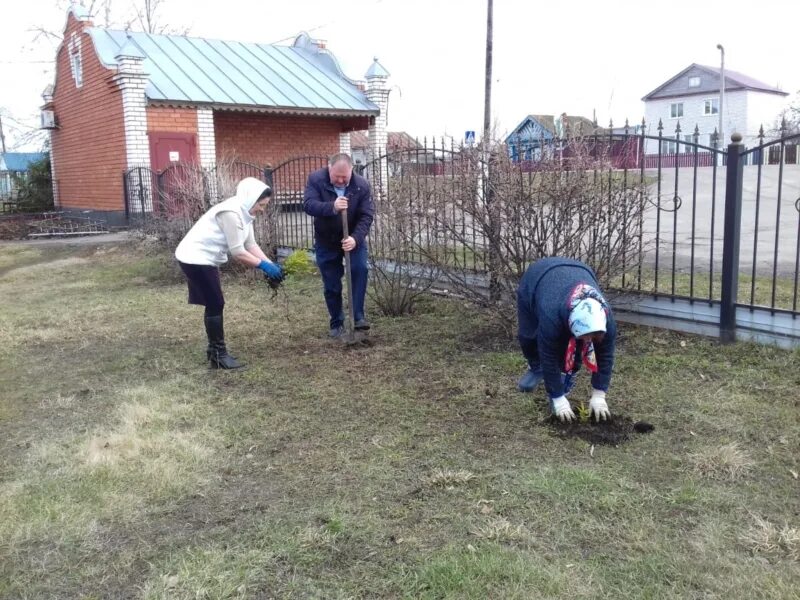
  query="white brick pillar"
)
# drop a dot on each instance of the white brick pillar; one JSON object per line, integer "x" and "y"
{"x": 205, "y": 135}
{"x": 47, "y": 96}
{"x": 344, "y": 143}
{"x": 378, "y": 93}
{"x": 208, "y": 149}
{"x": 132, "y": 81}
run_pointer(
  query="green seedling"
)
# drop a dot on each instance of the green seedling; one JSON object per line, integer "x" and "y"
{"x": 584, "y": 412}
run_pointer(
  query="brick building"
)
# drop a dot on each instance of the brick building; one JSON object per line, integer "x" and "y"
{"x": 128, "y": 99}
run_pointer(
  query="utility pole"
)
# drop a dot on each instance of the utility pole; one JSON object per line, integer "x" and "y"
{"x": 493, "y": 223}
{"x": 2, "y": 135}
{"x": 721, "y": 93}
{"x": 487, "y": 99}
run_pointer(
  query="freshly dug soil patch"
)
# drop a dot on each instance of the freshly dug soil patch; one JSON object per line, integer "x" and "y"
{"x": 613, "y": 432}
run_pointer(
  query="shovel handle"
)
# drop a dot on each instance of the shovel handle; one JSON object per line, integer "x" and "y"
{"x": 348, "y": 276}
{"x": 345, "y": 227}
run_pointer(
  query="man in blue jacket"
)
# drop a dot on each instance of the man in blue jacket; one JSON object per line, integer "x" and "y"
{"x": 564, "y": 321}
{"x": 329, "y": 191}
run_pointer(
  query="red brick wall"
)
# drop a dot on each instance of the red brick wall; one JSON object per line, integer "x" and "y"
{"x": 89, "y": 146}
{"x": 271, "y": 139}
{"x": 172, "y": 120}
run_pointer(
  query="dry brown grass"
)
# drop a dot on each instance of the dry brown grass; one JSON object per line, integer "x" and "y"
{"x": 764, "y": 537}
{"x": 447, "y": 478}
{"x": 499, "y": 529}
{"x": 728, "y": 462}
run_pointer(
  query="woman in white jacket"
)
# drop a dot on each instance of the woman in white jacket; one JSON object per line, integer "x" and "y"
{"x": 225, "y": 228}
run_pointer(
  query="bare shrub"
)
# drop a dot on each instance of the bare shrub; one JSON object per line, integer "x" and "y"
{"x": 399, "y": 275}
{"x": 479, "y": 218}
{"x": 186, "y": 191}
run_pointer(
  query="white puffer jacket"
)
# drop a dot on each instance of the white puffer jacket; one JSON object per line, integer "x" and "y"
{"x": 205, "y": 243}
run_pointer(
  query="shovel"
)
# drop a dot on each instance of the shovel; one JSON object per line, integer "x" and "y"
{"x": 351, "y": 338}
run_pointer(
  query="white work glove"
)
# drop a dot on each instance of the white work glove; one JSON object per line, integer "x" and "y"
{"x": 598, "y": 407}
{"x": 562, "y": 409}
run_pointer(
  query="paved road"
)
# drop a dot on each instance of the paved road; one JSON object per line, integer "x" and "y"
{"x": 760, "y": 219}
{"x": 78, "y": 240}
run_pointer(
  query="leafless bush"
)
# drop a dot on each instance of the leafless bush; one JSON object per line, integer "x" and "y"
{"x": 493, "y": 217}
{"x": 399, "y": 275}
{"x": 187, "y": 191}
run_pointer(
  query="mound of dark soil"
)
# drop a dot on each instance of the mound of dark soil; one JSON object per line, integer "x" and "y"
{"x": 613, "y": 432}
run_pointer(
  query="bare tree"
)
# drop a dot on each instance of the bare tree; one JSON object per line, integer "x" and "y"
{"x": 149, "y": 20}
{"x": 788, "y": 121}
{"x": 20, "y": 134}
{"x": 142, "y": 15}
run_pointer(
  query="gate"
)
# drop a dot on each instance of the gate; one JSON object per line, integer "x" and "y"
{"x": 139, "y": 184}
{"x": 295, "y": 229}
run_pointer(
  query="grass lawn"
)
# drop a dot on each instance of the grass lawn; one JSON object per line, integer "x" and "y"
{"x": 412, "y": 469}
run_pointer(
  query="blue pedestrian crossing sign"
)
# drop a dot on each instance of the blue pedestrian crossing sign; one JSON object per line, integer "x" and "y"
{"x": 469, "y": 138}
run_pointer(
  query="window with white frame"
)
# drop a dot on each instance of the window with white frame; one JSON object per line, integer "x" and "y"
{"x": 711, "y": 106}
{"x": 668, "y": 146}
{"x": 75, "y": 60}
{"x": 676, "y": 110}
{"x": 694, "y": 82}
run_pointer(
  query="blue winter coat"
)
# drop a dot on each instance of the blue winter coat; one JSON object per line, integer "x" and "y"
{"x": 544, "y": 316}
{"x": 318, "y": 202}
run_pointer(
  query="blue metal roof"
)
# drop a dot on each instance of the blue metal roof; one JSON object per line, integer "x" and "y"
{"x": 19, "y": 161}
{"x": 299, "y": 78}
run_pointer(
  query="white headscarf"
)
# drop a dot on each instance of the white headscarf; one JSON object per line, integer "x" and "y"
{"x": 587, "y": 316}
{"x": 248, "y": 191}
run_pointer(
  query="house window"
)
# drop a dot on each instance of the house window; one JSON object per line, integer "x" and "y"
{"x": 694, "y": 82}
{"x": 711, "y": 107}
{"x": 687, "y": 148}
{"x": 75, "y": 60}
{"x": 668, "y": 146}
{"x": 676, "y": 110}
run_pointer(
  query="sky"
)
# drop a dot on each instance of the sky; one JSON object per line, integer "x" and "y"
{"x": 583, "y": 57}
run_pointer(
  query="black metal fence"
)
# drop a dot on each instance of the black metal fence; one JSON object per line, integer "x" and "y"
{"x": 718, "y": 227}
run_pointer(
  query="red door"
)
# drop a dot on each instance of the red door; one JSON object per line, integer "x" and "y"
{"x": 181, "y": 189}
{"x": 169, "y": 148}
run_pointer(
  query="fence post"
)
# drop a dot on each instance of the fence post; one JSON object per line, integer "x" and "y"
{"x": 268, "y": 178}
{"x": 126, "y": 195}
{"x": 731, "y": 239}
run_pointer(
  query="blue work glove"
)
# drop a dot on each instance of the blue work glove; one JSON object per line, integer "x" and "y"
{"x": 271, "y": 270}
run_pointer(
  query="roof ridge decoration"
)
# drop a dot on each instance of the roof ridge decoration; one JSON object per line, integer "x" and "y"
{"x": 79, "y": 12}
{"x": 322, "y": 55}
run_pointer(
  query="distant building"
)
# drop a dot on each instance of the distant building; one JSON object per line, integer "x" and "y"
{"x": 691, "y": 98}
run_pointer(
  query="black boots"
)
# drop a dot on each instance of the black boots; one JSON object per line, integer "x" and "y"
{"x": 217, "y": 352}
